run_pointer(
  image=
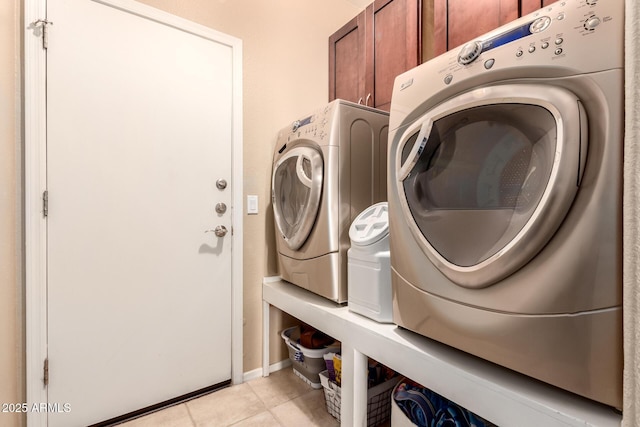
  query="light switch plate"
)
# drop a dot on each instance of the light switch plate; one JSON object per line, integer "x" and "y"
{"x": 252, "y": 205}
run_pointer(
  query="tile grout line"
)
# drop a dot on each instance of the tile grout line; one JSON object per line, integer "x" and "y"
{"x": 250, "y": 416}
{"x": 193, "y": 422}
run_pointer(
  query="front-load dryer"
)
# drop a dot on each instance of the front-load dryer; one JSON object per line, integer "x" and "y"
{"x": 328, "y": 166}
{"x": 505, "y": 182}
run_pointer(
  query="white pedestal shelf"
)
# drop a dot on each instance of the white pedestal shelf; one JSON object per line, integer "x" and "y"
{"x": 503, "y": 397}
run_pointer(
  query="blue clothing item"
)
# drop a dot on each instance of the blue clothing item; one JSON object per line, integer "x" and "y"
{"x": 426, "y": 408}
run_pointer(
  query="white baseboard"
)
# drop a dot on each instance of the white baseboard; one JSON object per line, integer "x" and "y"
{"x": 257, "y": 373}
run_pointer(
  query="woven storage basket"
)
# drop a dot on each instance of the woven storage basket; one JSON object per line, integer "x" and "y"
{"x": 378, "y": 399}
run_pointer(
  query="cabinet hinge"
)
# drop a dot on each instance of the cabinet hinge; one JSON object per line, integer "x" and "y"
{"x": 45, "y": 377}
{"x": 45, "y": 203}
{"x": 43, "y": 25}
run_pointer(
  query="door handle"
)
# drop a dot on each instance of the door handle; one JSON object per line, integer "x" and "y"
{"x": 219, "y": 231}
{"x": 302, "y": 176}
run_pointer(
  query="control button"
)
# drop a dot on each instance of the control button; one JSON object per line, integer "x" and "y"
{"x": 560, "y": 16}
{"x": 559, "y": 41}
{"x": 545, "y": 45}
{"x": 532, "y": 49}
{"x": 447, "y": 79}
{"x": 592, "y": 23}
{"x": 489, "y": 63}
{"x": 519, "y": 53}
{"x": 540, "y": 24}
{"x": 558, "y": 51}
{"x": 469, "y": 52}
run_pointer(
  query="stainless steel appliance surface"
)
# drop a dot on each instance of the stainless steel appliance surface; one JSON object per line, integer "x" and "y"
{"x": 505, "y": 182}
{"x": 328, "y": 166}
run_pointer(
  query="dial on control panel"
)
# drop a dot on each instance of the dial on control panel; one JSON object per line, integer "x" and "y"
{"x": 469, "y": 52}
{"x": 591, "y": 23}
{"x": 540, "y": 24}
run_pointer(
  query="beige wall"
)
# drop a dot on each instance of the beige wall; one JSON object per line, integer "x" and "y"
{"x": 11, "y": 301}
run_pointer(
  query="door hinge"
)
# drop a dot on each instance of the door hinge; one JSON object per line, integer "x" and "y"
{"x": 45, "y": 377}
{"x": 43, "y": 24}
{"x": 45, "y": 203}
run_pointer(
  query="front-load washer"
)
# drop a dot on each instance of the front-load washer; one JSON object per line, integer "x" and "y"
{"x": 328, "y": 166}
{"x": 505, "y": 176}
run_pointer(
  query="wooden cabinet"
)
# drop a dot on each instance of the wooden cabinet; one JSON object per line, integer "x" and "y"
{"x": 457, "y": 21}
{"x": 386, "y": 39}
{"x": 347, "y": 62}
{"x": 368, "y": 52}
{"x": 528, "y": 6}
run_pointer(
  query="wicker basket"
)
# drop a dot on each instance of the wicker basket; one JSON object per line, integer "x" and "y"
{"x": 378, "y": 399}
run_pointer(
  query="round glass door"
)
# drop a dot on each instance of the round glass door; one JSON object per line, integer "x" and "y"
{"x": 296, "y": 189}
{"x": 485, "y": 185}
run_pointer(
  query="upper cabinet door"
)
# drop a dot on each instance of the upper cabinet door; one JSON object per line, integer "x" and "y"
{"x": 367, "y": 53}
{"x": 396, "y": 45}
{"x": 457, "y": 22}
{"x": 347, "y": 67}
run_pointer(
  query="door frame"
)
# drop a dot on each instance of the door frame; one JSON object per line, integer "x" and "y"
{"x": 35, "y": 173}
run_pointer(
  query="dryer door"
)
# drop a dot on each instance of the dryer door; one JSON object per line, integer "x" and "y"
{"x": 486, "y": 178}
{"x": 296, "y": 188}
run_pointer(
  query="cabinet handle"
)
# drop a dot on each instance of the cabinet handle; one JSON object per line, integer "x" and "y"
{"x": 360, "y": 101}
{"x": 366, "y": 102}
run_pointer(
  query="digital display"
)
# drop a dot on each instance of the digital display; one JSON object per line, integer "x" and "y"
{"x": 305, "y": 121}
{"x": 508, "y": 37}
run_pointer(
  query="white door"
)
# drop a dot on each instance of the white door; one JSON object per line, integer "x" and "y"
{"x": 139, "y": 129}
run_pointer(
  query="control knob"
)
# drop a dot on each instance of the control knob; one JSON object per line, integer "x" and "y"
{"x": 295, "y": 126}
{"x": 540, "y": 24}
{"x": 591, "y": 23}
{"x": 469, "y": 52}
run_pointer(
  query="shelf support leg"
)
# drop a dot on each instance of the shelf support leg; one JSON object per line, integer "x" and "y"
{"x": 353, "y": 408}
{"x": 266, "y": 308}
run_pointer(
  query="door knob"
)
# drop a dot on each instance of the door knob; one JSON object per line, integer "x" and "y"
{"x": 219, "y": 231}
{"x": 221, "y": 184}
{"x": 221, "y": 208}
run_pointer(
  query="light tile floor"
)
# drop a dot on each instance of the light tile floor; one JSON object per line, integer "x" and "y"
{"x": 279, "y": 400}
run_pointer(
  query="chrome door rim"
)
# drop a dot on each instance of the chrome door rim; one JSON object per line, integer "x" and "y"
{"x": 314, "y": 183}
{"x": 557, "y": 197}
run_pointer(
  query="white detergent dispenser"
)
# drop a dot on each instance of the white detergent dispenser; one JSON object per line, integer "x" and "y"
{"x": 368, "y": 271}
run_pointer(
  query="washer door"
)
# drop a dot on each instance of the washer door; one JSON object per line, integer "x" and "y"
{"x": 296, "y": 189}
{"x": 486, "y": 178}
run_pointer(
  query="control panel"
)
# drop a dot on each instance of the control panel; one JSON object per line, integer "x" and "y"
{"x": 570, "y": 33}
{"x": 314, "y": 126}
